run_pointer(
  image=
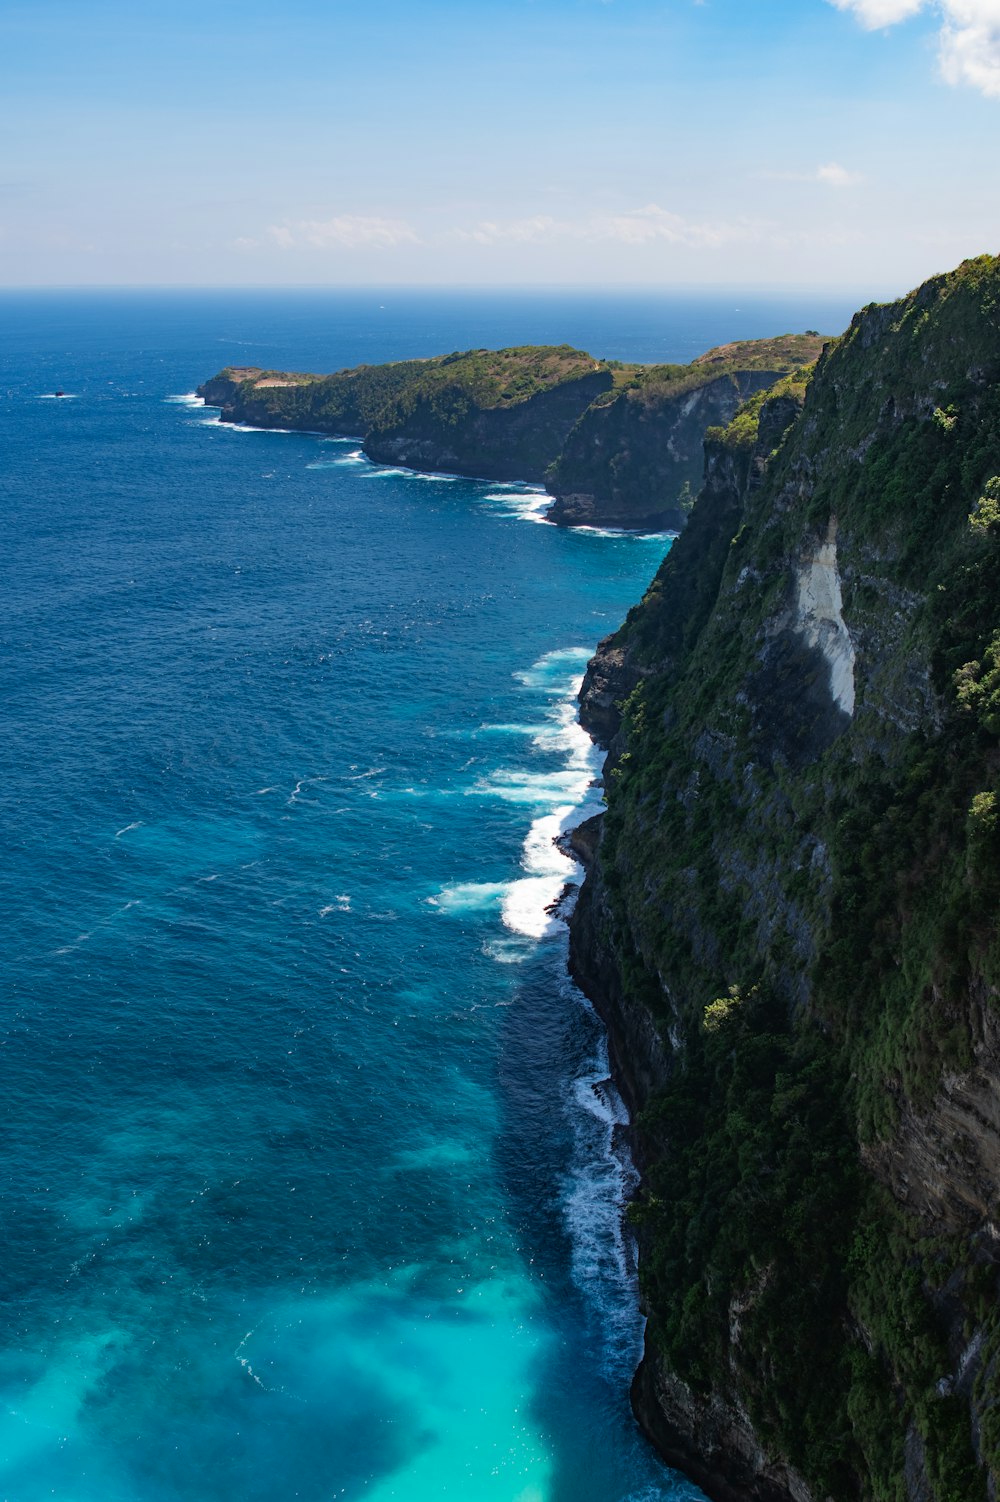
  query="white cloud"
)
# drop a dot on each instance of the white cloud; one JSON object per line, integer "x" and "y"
{"x": 970, "y": 45}
{"x": 836, "y": 176}
{"x": 630, "y": 227}
{"x": 968, "y": 42}
{"x": 877, "y": 13}
{"x": 516, "y": 231}
{"x": 640, "y": 226}
{"x": 348, "y": 231}
{"x": 830, "y": 173}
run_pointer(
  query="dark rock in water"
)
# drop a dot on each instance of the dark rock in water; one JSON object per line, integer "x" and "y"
{"x": 581, "y": 842}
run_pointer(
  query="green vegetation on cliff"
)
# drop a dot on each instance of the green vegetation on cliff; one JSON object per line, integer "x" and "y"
{"x": 346, "y": 403}
{"x": 499, "y": 414}
{"x": 627, "y": 439}
{"x": 637, "y": 450}
{"x": 799, "y": 881}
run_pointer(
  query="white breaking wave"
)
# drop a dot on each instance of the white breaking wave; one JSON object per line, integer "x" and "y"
{"x": 532, "y": 904}
{"x": 522, "y": 785}
{"x": 342, "y": 461}
{"x": 595, "y": 1192}
{"x": 187, "y": 399}
{"x": 626, "y": 532}
{"x": 340, "y": 904}
{"x": 246, "y": 427}
{"x": 600, "y": 1177}
{"x": 558, "y": 673}
{"x": 527, "y": 505}
{"x": 470, "y": 897}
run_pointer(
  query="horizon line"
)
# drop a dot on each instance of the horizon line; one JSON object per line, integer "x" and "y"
{"x": 547, "y": 288}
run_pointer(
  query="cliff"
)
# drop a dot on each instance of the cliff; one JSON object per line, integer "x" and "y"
{"x": 634, "y": 459}
{"x": 618, "y": 445}
{"x": 499, "y": 415}
{"x": 345, "y": 403}
{"x": 493, "y": 414}
{"x": 790, "y": 925}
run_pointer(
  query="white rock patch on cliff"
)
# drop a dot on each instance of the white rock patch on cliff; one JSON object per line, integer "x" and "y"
{"x": 819, "y": 616}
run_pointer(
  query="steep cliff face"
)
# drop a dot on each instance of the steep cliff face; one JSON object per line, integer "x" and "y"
{"x": 636, "y": 461}
{"x": 791, "y": 925}
{"x": 449, "y": 424}
{"x": 676, "y": 605}
{"x": 629, "y": 438}
{"x": 495, "y": 414}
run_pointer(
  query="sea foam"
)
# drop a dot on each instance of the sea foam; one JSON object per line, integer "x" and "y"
{"x": 531, "y": 905}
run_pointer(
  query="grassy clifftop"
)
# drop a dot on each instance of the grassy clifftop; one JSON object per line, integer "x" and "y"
{"x": 785, "y": 352}
{"x": 499, "y": 414}
{"x": 617, "y": 444}
{"x": 636, "y": 453}
{"x": 793, "y": 925}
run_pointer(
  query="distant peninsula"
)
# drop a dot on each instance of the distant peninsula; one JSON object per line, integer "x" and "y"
{"x": 615, "y": 444}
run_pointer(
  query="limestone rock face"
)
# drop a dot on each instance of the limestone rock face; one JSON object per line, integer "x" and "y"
{"x": 628, "y": 437}
{"x": 516, "y": 442}
{"x": 633, "y": 462}
{"x": 791, "y": 924}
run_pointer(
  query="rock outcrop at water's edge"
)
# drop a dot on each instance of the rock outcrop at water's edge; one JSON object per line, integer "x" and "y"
{"x": 617, "y": 445}
{"x": 791, "y": 925}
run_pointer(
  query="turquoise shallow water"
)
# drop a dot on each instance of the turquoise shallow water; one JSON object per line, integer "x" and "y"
{"x": 309, "y": 1185}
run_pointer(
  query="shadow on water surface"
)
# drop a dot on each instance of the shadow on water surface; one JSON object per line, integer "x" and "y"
{"x": 564, "y": 1188}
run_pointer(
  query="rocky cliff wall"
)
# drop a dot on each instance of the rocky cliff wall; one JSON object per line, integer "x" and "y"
{"x": 616, "y": 445}
{"x": 454, "y": 436}
{"x": 792, "y": 923}
{"x": 636, "y": 462}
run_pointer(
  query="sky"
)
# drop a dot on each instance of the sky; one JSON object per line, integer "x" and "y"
{"x": 816, "y": 143}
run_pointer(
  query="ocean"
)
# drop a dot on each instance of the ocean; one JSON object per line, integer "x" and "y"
{"x": 311, "y": 1180}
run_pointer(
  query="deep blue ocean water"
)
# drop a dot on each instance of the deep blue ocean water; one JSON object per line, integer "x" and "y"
{"x": 309, "y": 1186}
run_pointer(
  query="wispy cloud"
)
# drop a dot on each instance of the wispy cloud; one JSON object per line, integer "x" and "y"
{"x": 348, "y": 231}
{"x": 968, "y": 42}
{"x": 832, "y": 174}
{"x": 874, "y": 14}
{"x": 514, "y": 231}
{"x": 641, "y": 226}
{"x": 629, "y": 227}
{"x": 836, "y": 176}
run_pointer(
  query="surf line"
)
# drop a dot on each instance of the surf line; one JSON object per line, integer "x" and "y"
{"x": 600, "y": 1178}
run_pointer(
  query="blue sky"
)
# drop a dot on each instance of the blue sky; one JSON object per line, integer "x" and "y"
{"x": 839, "y": 143}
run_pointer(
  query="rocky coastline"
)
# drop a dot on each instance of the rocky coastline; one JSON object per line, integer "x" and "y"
{"x": 789, "y": 925}
{"x": 615, "y": 445}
